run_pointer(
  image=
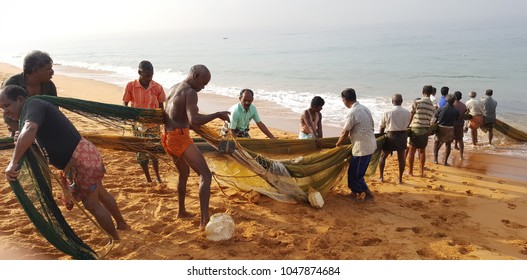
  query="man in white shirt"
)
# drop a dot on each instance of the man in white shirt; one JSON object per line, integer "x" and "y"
{"x": 395, "y": 122}
{"x": 359, "y": 127}
{"x": 475, "y": 109}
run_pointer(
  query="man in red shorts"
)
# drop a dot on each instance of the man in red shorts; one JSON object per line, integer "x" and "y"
{"x": 80, "y": 163}
{"x": 181, "y": 113}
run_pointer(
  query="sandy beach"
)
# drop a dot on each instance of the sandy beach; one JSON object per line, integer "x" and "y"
{"x": 472, "y": 210}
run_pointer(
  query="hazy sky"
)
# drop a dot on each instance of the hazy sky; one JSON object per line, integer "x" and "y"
{"x": 59, "y": 18}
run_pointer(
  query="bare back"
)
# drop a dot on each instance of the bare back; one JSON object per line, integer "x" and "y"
{"x": 181, "y": 102}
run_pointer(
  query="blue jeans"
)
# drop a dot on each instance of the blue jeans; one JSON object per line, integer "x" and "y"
{"x": 356, "y": 171}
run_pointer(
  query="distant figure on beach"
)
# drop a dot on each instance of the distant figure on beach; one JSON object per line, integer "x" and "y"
{"x": 442, "y": 101}
{"x": 489, "y": 114}
{"x": 147, "y": 94}
{"x": 181, "y": 114}
{"x": 459, "y": 124}
{"x": 359, "y": 127}
{"x": 445, "y": 117}
{"x": 475, "y": 109}
{"x": 311, "y": 121}
{"x": 433, "y": 97}
{"x": 421, "y": 115}
{"x": 241, "y": 115}
{"x": 81, "y": 165}
{"x": 394, "y": 122}
{"x": 36, "y": 78}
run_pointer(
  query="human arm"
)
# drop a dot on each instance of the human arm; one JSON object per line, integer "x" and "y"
{"x": 25, "y": 139}
{"x": 264, "y": 129}
{"x": 382, "y": 125}
{"x": 319, "y": 127}
{"x": 197, "y": 119}
{"x": 314, "y": 130}
{"x": 342, "y": 138}
{"x": 127, "y": 95}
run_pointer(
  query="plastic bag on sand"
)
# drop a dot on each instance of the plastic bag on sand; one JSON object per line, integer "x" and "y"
{"x": 220, "y": 227}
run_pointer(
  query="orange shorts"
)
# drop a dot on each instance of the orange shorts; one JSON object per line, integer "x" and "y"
{"x": 176, "y": 142}
{"x": 476, "y": 121}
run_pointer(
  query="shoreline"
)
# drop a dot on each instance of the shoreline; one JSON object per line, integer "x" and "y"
{"x": 471, "y": 210}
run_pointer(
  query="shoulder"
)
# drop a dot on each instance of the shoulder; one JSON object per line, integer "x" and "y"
{"x": 130, "y": 84}
{"x": 234, "y": 108}
{"x": 37, "y": 104}
{"x": 156, "y": 84}
{"x": 17, "y": 80}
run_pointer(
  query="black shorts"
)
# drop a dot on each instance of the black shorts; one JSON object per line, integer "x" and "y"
{"x": 419, "y": 137}
{"x": 395, "y": 141}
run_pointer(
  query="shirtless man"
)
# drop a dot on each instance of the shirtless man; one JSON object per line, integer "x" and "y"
{"x": 181, "y": 113}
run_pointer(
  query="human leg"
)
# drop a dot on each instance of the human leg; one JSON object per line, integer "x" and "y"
{"x": 437, "y": 146}
{"x": 155, "y": 165}
{"x": 400, "y": 160}
{"x": 142, "y": 159}
{"x": 461, "y": 148}
{"x": 197, "y": 162}
{"x": 109, "y": 202}
{"x": 382, "y": 163}
{"x": 356, "y": 172}
{"x": 447, "y": 152}
{"x": 491, "y": 135}
{"x": 101, "y": 214}
{"x": 411, "y": 158}
{"x": 422, "y": 159}
{"x": 474, "y": 135}
{"x": 184, "y": 171}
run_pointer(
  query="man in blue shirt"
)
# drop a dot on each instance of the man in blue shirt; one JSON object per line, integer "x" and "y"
{"x": 442, "y": 101}
{"x": 242, "y": 114}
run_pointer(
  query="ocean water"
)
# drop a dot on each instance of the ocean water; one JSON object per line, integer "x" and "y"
{"x": 290, "y": 68}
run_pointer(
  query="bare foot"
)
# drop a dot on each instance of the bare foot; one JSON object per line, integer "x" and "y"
{"x": 381, "y": 179}
{"x": 369, "y": 197}
{"x": 184, "y": 215}
{"x": 123, "y": 226}
{"x": 446, "y": 164}
{"x": 422, "y": 174}
{"x": 204, "y": 223}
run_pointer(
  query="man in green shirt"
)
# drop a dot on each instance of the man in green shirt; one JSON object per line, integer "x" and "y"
{"x": 242, "y": 114}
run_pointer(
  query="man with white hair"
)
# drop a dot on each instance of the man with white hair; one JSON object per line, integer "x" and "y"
{"x": 475, "y": 109}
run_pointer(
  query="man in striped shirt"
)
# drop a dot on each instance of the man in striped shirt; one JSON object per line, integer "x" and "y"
{"x": 146, "y": 94}
{"x": 422, "y": 111}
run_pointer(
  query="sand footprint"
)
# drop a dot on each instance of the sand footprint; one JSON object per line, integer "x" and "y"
{"x": 371, "y": 242}
{"x": 511, "y": 205}
{"x": 510, "y": 224}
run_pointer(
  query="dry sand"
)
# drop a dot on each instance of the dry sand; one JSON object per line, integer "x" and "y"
{"x": 472, "y": 210}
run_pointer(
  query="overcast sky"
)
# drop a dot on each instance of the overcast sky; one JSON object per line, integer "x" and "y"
{"x": 61, "y": 18}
